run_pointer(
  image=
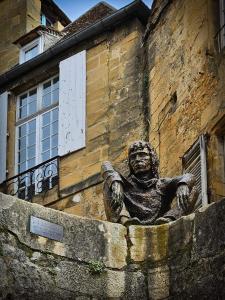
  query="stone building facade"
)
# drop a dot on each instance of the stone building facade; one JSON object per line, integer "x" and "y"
{"x": 113, "y": 62}
{"x": 186, "y": 90}
{"x": 156, "y": 76}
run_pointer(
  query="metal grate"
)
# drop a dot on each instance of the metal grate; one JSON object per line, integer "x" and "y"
{"x": 34, "y": 181}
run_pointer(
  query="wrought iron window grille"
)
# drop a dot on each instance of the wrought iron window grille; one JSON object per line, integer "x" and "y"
{"x": 34, "y": 181}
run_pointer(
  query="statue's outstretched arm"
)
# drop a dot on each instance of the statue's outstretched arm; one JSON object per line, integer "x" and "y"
{"x": 113, "y": 190}
{"x": 181, "y": 187}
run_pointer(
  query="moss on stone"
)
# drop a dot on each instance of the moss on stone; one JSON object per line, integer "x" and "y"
{"x": 96, "y": 267}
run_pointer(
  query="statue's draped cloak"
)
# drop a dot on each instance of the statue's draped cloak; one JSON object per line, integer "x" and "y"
{"x": 145, "y": 199}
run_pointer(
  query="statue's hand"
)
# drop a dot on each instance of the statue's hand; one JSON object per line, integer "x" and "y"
{"x": 183, "y": 194}
{"x": 117, "y": 195}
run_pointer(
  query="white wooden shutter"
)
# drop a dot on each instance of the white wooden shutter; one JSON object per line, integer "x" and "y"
{"x": 194, "y": 162}
{"x": 72, "y": 103}
{"x": 3, "y": 134}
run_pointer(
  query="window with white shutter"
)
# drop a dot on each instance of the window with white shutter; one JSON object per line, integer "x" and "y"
{"x": 194, "y": 162}
{"x": 50, "y": 122}
{"x": 72, "y": 104}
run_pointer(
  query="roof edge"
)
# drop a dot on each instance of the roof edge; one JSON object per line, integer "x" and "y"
{"x": 135, "y": 9}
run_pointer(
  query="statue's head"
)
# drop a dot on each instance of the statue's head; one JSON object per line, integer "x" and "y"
{"x": 143, "y": 159}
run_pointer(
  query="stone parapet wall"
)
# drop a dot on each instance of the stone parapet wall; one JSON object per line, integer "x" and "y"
{"x": 102, "y": 260}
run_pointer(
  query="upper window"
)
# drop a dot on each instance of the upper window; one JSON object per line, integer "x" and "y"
{"x": 45, "y": 20}
{"x": 37, "y": 125}
{"x": 31, "y": 50}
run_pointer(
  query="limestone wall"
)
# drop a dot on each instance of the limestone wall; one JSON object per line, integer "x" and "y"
{"x": 114, "y": 70}
{"x": 114, "y": 118}
{"x": 102, "y": 260}
{"x": 186, "y": 90}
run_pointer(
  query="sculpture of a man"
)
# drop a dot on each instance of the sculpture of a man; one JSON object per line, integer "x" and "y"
{"x": 143, "y": 197}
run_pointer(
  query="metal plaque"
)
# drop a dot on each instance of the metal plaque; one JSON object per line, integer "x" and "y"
{"x": 46, "y": 229}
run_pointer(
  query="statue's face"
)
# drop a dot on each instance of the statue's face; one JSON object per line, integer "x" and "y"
{"x": 140, "y": 161}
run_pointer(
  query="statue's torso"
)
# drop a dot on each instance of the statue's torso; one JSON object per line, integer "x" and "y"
{"x": 145, "y": 199}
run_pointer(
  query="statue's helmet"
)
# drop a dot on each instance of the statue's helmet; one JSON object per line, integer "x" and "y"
{"x": 140, "y": 146}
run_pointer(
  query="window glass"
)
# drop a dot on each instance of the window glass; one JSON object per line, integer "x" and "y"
{"x": 32, "y": 102}
{"x": 46, "y": 119}
{"x": 43, "y": 19}
{"x": 47, "y": 87}
{"x": 46, "y": 100}
{"x": 30, "y": 53}
{"x": 55, "y": 88}
{"x": 38, "y": 136}
{"x": 22, "y": 130}
{"x": 50, "y": 92}
{"x": 28, "y": 104}
{"x": 23, "y": 106}
{"x": 50, "y": 134}
{"x": 27, "y": 145}
{"x": 31, "y": 139}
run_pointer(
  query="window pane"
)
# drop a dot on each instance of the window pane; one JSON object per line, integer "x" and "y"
{"x": 55, "y": 127}
{"x": 55, "y": 90}
{"x": 22, "y": 143}
{"x": 31, "y": 152}
{"x": 55, "y": 114}
{"x": 46, "y": 100}
{"x": 46, "y": 144}
{"x": 46, "y": 118}
{"x": 54, "y": 141}
{"x": 22, "y": 156}
{"x": 22, "y": 130}
{"x": 31, "y": 139}
{"x": 32, "y": 108}
{"x": 46, "y": 155}
{"x": 31, "y": 53}
{"x": 32, "y": 102}
{"x": 54, "y": 151}
{"x": 23, "y": 100}
{"x": 27, "y": 145}
{"x": 47, "y": 87}
{"x": 55, "y": 96}
{"x": 33, "y": 95}
{"x": 32, "y": 126}
{"x": 56, "y": 83}
{"x": 23, "y": 112}
{"x": 43, "y": 20}
{"x": 31, "y": 163}
{"x": 34, "y": 51}
{"x": 22, "y": 167}
{"x": 45, "y": 131}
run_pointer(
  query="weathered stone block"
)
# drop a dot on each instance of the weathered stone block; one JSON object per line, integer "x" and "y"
{"x": 109, "y": 284}
{"x": 208, "y": 235}
{"x": 108, "y": 246}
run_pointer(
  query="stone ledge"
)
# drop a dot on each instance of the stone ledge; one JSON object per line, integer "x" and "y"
{"x": 181, "y": 260}
{"x": 84, "y": 239}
